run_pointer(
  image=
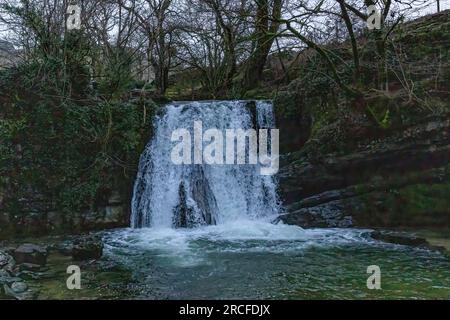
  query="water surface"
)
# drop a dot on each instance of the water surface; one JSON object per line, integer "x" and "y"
{"x": 259, "y": 260}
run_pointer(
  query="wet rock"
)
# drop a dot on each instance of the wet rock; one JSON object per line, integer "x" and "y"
{"x": 31, "y": 275}
{"x": 18, "y": 290}
{"x": 7, "y": 278}
{"x": 29, "y": 267}
{"x": 4, "y": 259}
{"x": 197, "y": 204}
{"x": 329, "y": 215}
{"x": 55, "y": 220}
{"x": 9, "y": 250}
{"x": 31, "y": 253}
{"x": 115, "y": 198}
{"x": 113, "y": 213}
{"x": 183, "y": 213}
{"x": 373, "y": 179}
{"x": 406, "y": 239}
{"x": 19, "y": 287}
{"x": 203, "y": 196}
{"x": 7, "y": 262}
{"x": 87, "y": 249}
{"x": 64, "y": 248}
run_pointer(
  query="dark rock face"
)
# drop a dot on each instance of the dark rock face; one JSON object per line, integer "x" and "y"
{"x": 377, "y": 184}
{"x": 184, "y": 214}
{"x": 31, "y": 253}
{"x": 203, "y": 196}
{"x": 328, "y": 215}
{"x": 295, "y": 125}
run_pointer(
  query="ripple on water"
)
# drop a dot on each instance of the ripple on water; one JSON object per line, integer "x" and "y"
{"x": 255, "y": 259}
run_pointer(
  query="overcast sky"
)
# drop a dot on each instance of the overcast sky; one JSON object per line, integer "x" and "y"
{"x": 431, "y": 8}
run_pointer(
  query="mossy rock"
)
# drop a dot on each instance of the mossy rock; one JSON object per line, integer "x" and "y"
{"x": 424, "y": 205}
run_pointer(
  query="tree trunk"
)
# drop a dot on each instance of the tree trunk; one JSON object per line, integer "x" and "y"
{"x": 264, "y": 37}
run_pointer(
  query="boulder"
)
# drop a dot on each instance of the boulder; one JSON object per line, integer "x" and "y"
{"x": 328, "y": 215}
{"x": 87, "y": 249}
{"x": 18, "y": 290}
{"x": 7, "y": 278}
{"x": 183, "y": 213}
{"x": 31, "y": 253}
{"x": 19, "y": 287}
{"x": 4, "y": 259}
{"x": 29, "y": 267}
{"x": 406, "y": 239}
{"x": 203, "y": 196}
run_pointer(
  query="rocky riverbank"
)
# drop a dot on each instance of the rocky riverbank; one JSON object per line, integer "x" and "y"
{"x": 38, "y": 270}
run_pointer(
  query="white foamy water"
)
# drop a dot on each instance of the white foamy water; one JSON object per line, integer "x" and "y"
{"x": 189, "y": 247}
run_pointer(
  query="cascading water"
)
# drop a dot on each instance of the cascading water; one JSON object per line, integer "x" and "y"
{"x": 171, "y": 195}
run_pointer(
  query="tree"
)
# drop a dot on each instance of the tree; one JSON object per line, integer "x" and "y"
{"x": 213, "y": 41}
{"x": 153, "y": 17}
{"x": 266, "y": 23}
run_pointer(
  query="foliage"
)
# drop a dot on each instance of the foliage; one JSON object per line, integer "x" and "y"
{"x": 61, "y": 139}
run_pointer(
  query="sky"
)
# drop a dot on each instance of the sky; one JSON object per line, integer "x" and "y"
{"x": 431, "y": 8}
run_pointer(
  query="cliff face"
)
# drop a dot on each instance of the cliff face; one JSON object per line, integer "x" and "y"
{"x": 347, "y": 170}
{"x": 399, "y": 180}
{"x": 39, "y": 217}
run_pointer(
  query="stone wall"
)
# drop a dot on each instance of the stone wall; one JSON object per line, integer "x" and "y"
{"x": 39, "y": 218}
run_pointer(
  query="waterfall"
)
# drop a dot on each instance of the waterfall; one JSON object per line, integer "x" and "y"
{"x": 170, "y": 195}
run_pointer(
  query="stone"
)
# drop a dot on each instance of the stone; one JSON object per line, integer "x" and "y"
{"x": 18, "y": 294}
{"x": 9, "y": 249}
{"x": 19, "y": 287}
{"x": 28, "y": 266}
{"x": 183, "y": 213}
{"x": 328, "y": 215}
{"x": 4, "y": 218}
{"x": 87, "y": 249}
{"x": 4, "y": 259}
{"x": 115, "y": 198}
{"x": 203, "y": 196}
{"x": 64, "y": 248}
{"x": 55, "y": 220}
{"x": 31, "y": 253}
{"x": 30, "y": 275}
{"x": 399, "y": 238}
{"x": 113, "y": 214}
{"x": 7, "y": 278}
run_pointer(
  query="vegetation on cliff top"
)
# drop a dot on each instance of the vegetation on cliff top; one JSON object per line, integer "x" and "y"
{"x": 65, "y": 144}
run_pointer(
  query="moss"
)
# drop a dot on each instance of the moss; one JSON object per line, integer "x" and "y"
{"x": 96, "y": 282}
{"x": 258, "y": 94}
{"x": 286, "y": 105}
{"x": 413, "y": 205}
